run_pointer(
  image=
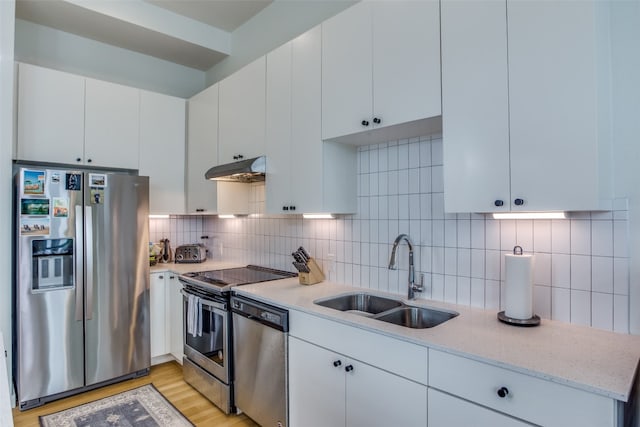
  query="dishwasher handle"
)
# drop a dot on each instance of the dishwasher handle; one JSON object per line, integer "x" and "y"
{"x": 268, "y": 315}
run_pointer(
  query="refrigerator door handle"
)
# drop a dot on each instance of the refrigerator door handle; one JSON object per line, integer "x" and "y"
{"x": 88, "y": 217}
{"x": 79, "y": 276}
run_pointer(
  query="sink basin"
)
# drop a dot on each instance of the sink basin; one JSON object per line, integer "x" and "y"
{"x": 417, "y": 317}
{"x": 360, "y": 303}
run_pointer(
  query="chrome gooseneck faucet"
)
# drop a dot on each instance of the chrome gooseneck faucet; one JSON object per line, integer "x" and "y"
{"x": 413, "y": 286}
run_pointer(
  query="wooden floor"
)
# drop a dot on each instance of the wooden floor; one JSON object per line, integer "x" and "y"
{"x": 167, "y": 378}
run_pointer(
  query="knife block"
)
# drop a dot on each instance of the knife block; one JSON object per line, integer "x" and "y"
{"x": 315, "y": 274}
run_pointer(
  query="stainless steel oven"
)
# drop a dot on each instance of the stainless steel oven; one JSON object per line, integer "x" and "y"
{"x": 207, "y": 352}
{"x": 208, "y": 332}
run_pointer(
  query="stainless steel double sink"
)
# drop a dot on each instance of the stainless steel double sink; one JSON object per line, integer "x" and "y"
{"x": 387, "y": 310}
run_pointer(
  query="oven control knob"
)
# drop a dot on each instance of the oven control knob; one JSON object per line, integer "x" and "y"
{"x": 179, "y": 257}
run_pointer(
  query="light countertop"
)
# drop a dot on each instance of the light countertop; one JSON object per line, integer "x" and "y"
{"x": 590, "y": 359}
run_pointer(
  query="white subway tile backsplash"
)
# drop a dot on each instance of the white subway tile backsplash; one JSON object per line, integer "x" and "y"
{"x": 492, "y": 234}
{"x": 580, "y": 237}
{"x": 542, "y": 269}
{"x": 621, "y": 276}
{"x": 621, "y": 313}
{"x": 524, "y": 234}
{"x": 464, "y": 233}
{"x": 507, "y": 235}
{"x": 561, "y": 270}
{"x": 477, "y": 233}
{"x": 542, "y": 236}
{"x": 602, "y": 238}
{"x": 561, "y": 236}
{"x": 602, "y": 274}
{"x": 581, "y": 272}
{"x": 477, "y": 292}
{"x": 602, "y": 311}
{"x": 561, "y": 304}
{"x": 542, "y": 301}
{"x": 464, "y": 291}
{"x": 581, "y": 307}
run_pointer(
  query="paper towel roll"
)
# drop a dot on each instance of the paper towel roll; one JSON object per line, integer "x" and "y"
{"x": 519, "y": 286}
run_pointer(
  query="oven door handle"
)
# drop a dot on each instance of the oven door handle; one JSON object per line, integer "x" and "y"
{"x": 207, "y": 303}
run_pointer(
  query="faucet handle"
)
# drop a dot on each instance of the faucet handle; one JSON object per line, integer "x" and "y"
{"x": 420, "y": 287}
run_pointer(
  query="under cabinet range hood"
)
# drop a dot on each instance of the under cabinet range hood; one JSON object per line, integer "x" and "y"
{"x": 250, "y": 170}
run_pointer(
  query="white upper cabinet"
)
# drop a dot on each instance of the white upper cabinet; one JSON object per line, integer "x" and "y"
{"x": 475, "y": 106}
{"x": 347, "y": 78}
{"x": 70, "y": 119}
{"x": 525, "y": 106}
{"x": 50, "y": 116}
{"x": 111, "y": 125}
{"x": 381, "y": 71}
{"x": 304, "y": 175}
{"x": 162, "y": 151}
{"x": 559, "y": 104}
{"x": 242, "y": 113}
{"x": 406, "y": 61}
{"x": 202, "y": 151}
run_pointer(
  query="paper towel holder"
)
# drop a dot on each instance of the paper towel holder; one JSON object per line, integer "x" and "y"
{"x": 533, "y": 321}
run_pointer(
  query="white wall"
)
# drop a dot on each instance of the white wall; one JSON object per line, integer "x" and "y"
{"x": 48, "y": 47}
{"x": 7, "y": 14}
{"x": 281, "y": 21}
{"x": 625, "y": 41}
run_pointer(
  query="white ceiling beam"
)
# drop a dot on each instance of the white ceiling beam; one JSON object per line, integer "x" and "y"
{"x": 146, "y": 15}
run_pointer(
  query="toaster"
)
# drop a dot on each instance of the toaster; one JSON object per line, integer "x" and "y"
{"x": 191, "y": 253}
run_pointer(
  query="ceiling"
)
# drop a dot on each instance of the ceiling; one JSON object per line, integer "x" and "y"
{"x": 193, "y": 33}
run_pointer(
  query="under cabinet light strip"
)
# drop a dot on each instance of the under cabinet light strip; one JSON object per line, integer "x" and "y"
{"x": 226, "y": 216}
{"x": 317, "y": 216}
{"x": 154, "y": 216}
{"x": 530, "y": 215}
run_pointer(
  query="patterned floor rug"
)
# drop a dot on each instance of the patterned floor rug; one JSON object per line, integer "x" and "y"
{"x": 141, "y": 407}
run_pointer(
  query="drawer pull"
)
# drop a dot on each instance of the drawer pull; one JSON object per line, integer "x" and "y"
{"x": 337, "y": 363}
{"x": 503, "y": 392}
{"x": 348, "y": 368}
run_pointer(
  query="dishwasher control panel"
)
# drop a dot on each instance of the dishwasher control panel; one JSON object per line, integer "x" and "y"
{"x": 260, "y": 312}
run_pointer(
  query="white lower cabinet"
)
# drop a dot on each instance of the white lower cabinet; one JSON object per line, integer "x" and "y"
{"x": 346, "y": 376}
{"x": 327, "y": 388}
{"x": 157, "y": 315}
{"x": 446, "y": 411}
{"x": 166, "y": 319}
{"x": 175, "y": 317}
{"x": 521, "y": 396}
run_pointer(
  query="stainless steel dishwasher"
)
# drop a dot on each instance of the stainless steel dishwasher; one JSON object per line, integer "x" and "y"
{"x": 260, "y": 361}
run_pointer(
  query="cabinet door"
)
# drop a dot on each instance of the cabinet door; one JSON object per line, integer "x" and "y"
{"x": 50, "y": 116}
{"x": 242, "y": 113}
{"x": 475, "y": 117}
{"x": 111, "y": 125}
{"x": 278, "y": 131}
{"x": 175, "y": 318}
{"x": 162, "y": 148}
{"x": 377, "y": 398}
{"x": 556, "y": 86}
{"x": 316, "y": 386}
{"x": 406, "y": 61}
{"x": 346, "y": 72}
{"x": 308, "y": 165}
{"x": 446, "y": 411}
{"x": 202, "y": 150}
{"x": 157, "y": 314}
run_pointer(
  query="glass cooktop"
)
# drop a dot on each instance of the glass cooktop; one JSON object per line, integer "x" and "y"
{"x": 228, "y": 277}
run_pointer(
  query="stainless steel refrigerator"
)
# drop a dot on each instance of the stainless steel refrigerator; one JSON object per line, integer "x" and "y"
{"x": 81, "y": 294}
